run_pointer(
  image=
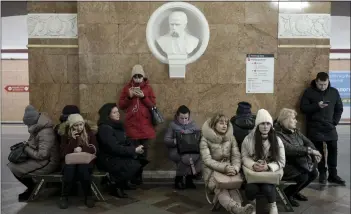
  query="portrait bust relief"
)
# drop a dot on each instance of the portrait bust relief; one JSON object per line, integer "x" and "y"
{"x": 177, "y": 34}
{"x": 178, "y": 40}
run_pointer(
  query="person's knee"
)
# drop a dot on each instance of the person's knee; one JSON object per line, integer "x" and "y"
{"x": 268, "y": 189}
{"x": 251, "y": 190}
{"x": 313, "y": 175}
{"x": 84, "y": 171}
{"x": 302, "y": 178}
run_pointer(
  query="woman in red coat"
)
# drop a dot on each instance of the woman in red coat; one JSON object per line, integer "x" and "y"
{"x": 136, "y": 100}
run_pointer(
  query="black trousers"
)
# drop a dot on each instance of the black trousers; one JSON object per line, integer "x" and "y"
{"x": 72, "y": 173}
{"x": 302, "y": 181}
{"x": 268, "y": 190}
{"x": 143, "y": 158}
{"x": 332, "y": 160}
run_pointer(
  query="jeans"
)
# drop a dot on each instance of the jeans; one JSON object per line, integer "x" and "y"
{"x": 268, "y": 190}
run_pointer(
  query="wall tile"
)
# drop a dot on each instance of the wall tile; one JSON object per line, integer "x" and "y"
{"x": 106, "y": 68}
{"x": 98, "y": 38}
{"x": 261, "y": 13}
{"x": 132, "y": 39}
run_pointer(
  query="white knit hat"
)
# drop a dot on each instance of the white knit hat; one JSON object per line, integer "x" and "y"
{"x": 263, "y": 116}
{"x": 138, "y": 69}
{"x": 74, "y": 118}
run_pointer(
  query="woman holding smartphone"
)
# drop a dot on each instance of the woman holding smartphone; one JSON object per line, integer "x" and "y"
{"x": 137, "y": 98}
{"x": 76, "y": 137}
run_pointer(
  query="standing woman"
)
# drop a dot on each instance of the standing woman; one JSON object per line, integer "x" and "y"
{"x": 263, "y": 151}
{"x": 136, "y": 100}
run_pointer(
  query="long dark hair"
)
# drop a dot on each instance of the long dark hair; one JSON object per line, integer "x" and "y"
{"x": 274, "y": 148}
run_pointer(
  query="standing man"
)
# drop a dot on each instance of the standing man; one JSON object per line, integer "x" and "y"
{"x": 323, "y": 107}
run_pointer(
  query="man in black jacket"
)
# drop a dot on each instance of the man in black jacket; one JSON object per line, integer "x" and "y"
{"x": 323, "y": 107}
{"x": 243, "y": 122}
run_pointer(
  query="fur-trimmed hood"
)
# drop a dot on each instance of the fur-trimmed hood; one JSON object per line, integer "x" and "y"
{"x": 212, "y": 136}
{"x": 89, "y": 125}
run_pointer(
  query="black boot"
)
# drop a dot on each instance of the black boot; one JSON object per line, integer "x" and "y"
{"x": 116, "y": 190}
{"x": 29, "y": 183}
{"x": 88, "y": 198}
{"x": 129, "y": 186}
{"x": 189, "y": 184}
{"x": 138, "y": 179}
{"x": 66, "y": 188}
{"x": 293, "y": 202}
{"x": 178, "y": 182}
{"x": 334, "y": 178}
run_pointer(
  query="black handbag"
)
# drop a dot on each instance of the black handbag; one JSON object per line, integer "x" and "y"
{"x": 17, "y": 154}
{"x": 157, "y": 117}
{"x": 188, "y": 143}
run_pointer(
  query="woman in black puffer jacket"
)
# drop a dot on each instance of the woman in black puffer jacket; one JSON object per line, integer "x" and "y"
{"x": 116, "y": 155}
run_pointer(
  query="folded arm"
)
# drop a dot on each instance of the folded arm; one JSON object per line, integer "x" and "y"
{"x": 306, "y": 106}
{"x": 107, "y": 139}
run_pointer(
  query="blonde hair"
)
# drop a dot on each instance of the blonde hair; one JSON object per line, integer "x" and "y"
{"x": 216, "y": 118}
{"x": 84, "y": 135}
{"x": 286, "y": 113}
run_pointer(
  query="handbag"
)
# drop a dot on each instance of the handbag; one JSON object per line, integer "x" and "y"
{"x": 227, "y": 182}
{"x": 157, "y": 117}
{"x": 188, "y": 143}
{"x": 17, "y": 154}
{"x": 80, "y": 157}
{"x": 263, "y": 177}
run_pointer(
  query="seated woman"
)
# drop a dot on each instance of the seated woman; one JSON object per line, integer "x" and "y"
{"x": 301, "y": 156}
{"x": 66, "y": 111}
{"x": 219, "y": 152}
{"x": 116, "y": 155}
{"x": 182, "y": 123}
{"x": 263, "y": 151}
{"x": 42, "y": 150}
{"x": 76, "y": 137}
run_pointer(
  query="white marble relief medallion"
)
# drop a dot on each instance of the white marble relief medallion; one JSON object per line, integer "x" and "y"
{"x": 52, "y": 25}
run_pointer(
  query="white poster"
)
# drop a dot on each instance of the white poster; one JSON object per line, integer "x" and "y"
{"x": 259, "y": 73}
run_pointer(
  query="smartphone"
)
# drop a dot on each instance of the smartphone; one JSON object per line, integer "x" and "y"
{"x": 326, "y": 102}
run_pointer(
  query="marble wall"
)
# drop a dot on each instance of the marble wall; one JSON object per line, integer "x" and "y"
{"x": 112, "y": 39}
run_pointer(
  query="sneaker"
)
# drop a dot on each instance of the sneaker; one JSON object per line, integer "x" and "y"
{"x": 337, "y": 180}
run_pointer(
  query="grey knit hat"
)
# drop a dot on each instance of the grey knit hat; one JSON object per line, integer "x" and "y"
{"x": 31, "y": 116}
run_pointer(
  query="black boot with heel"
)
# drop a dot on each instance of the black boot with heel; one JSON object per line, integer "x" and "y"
{"x": 178, "y": 182}
{"x": 66, "y": 188}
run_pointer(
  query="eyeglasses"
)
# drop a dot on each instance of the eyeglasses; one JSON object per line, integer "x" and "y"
{"x": 138, "y": 76}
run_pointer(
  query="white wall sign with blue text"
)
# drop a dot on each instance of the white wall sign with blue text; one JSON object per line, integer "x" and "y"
{"x": 341, "y": 81}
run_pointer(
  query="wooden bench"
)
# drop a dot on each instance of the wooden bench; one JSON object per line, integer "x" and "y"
{"x": 57, "y": 178}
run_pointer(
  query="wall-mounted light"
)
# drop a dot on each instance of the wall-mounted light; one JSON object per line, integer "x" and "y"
{"x": 290, "y": 5}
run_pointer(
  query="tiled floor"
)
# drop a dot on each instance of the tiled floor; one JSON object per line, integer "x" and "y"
{"x": 162, "y": 199}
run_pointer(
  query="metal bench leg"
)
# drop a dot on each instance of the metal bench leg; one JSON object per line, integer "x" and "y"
{"x": 97, "y": 192}
{"x": 286, "y": 202}
{"x": 37, "y": 190}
